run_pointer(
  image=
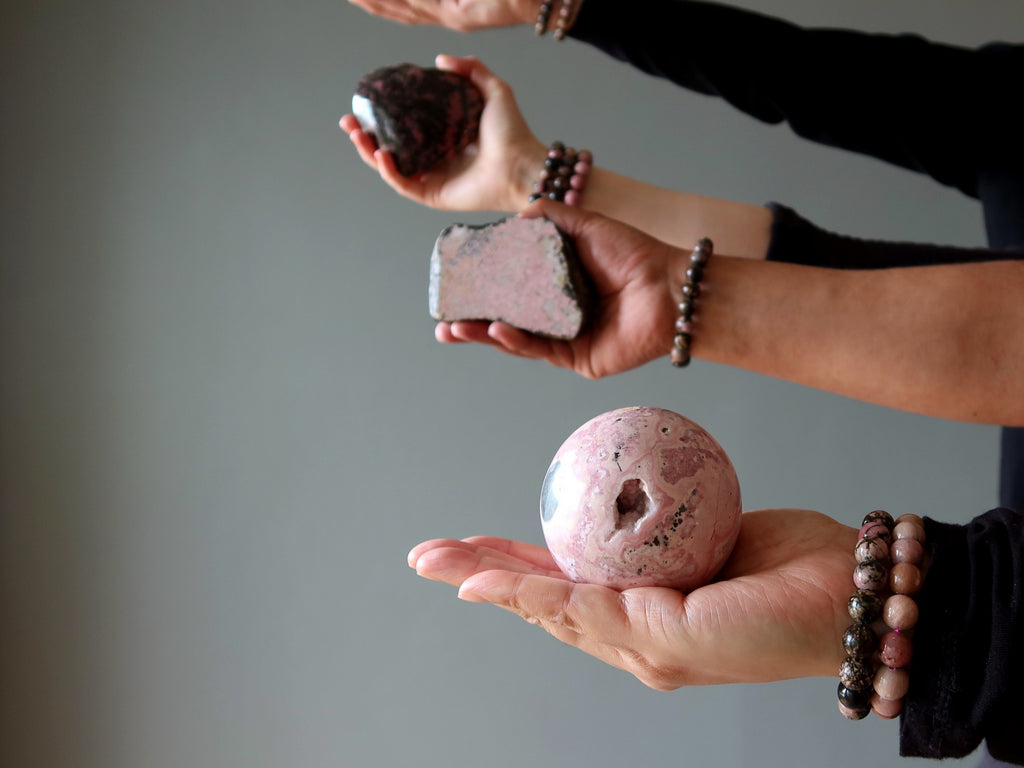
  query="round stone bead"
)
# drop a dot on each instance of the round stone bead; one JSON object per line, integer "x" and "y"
{"x": 685, "y": 308}
{"x": 908, "y": 530}
{"x": 911, "y": 518}
{"x": 585, "y": 156}
{"x": 905, "y": 579}
{"x": 854, "y": 699}
{"x": 871, "y": 575}
{"x": 572, "y": 197}
{"x": 878, "y": 516}
{"x": 578, "y": 182}
{"x": 895, "y": 650}
{"x": 695, "y": 273}
{"x": 907, "y": 551}
{"x": 880, "y": 530}
{"x": 856, "y": 673}
{"x": 681, "y": 341}
{"x": 853, "y": 714}
{"x": 683, "y": 325}
{"x": 691, "y": 290}
{"x": 900, "y": 612}
{"x": 859, "y": 640}
{"x": 865, "y": 607}
{"x": 871, "y": 548}
{"x": 887, "y": 709}
{"x": 680, "y": 357}
{"x": 891, "y": 683}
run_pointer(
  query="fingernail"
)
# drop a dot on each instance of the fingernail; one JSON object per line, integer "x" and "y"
{"x": 470, "y": 596}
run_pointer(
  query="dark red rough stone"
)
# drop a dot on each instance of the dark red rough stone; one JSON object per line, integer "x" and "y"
{"x": 522, "y": 271}
{"x": 420, "y": 115}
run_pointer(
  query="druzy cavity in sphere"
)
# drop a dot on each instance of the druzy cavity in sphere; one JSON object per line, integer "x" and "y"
{"x": 641, "y": 496}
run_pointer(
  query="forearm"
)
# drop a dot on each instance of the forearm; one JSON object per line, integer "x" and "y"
{"x": 937, "y": 340}
{"x": 677, "y": 218}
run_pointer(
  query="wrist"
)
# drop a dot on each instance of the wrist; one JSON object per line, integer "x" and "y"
{"x": 525, "y": 170}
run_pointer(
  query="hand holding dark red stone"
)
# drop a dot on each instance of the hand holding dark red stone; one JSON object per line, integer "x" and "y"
{"x": 421, "y": 116}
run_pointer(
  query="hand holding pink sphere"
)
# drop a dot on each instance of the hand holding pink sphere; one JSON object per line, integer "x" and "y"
{"x": 641, "y": 497}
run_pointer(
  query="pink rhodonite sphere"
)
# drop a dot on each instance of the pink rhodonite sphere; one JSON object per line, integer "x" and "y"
{"x": 641, "y": 497}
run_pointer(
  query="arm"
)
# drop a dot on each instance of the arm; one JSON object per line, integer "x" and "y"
{"x": 499, "y": 171}
{"x": 937, "y": 109}
{"x": 778, "y": 610}
{"x": 939, "y": 340}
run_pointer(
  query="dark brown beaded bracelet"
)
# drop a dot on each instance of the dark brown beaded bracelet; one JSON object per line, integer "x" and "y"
{"x": 543, "y": 17}
{"x": 690, "y": 293}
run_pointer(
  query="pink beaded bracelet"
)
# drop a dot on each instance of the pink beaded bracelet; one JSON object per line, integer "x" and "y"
{"x": 565, "y": 174}
{"x": 889, "y": 556}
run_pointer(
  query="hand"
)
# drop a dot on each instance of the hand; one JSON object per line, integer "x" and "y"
{"x": 460, "y": 15}
{"x": 495, "y": 173}
{"x": 777, "y": 611}
{"x": 635, "y": 311}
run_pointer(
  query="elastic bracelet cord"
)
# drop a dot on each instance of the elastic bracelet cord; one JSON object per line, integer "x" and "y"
{"x": 565, "y": 174}
{"x": 683, "y": 338}
{"x": 874, "y": 675}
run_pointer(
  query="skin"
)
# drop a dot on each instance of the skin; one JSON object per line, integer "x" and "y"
{"x": 460, "y": 15}
{"x": 938, "y": 341}
{"x": 498, "y": 172}
{"x": 777, "y": 610}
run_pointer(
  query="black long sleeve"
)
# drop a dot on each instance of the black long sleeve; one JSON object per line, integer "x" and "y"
{"x": 796, "y": 240}
{"x": 942, "y": 110}
{"x": 968, "y": 669}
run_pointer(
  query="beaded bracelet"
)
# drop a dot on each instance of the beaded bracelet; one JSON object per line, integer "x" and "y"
{"x": 882, "y": 593}
{"x": 565, "y": 174}
{"x": 543, "y": 17}
{"x": 566, "y": 11}
{"x": 562, "y": 23}
{"x": 690, "y": 292}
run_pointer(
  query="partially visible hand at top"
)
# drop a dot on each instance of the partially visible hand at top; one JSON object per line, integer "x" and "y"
{"x": 460, "y": 15}
{"x": 495, "y": 173}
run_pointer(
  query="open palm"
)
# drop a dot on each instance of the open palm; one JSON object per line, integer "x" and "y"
{"x": 776, "y": 611}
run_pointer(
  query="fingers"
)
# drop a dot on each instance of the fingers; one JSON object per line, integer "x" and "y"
{"x": 473, "y": 69}
{"x": 531, "y": 553}
{"x": 364, "y": 143}
{"x": 455, "y": 561}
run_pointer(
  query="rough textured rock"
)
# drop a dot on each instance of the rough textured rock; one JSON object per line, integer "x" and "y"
{"x": 524, "y": 272}
{"x": 641, "y": 497}
{"x": 420, "y": 115}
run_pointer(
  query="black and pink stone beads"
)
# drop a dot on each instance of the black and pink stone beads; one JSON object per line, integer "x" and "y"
{"x": 522, "y": 271}
{"x": 420, "y": 115}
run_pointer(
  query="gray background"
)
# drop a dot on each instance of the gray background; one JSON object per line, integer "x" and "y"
{"x": 224, "y": 421}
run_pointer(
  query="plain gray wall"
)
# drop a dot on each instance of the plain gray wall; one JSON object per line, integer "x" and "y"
{"x": 224, "y": 420}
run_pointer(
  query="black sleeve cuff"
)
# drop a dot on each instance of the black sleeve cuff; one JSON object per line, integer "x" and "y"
{"x": 968, "y": 668}
{"x": 795, "y": 240}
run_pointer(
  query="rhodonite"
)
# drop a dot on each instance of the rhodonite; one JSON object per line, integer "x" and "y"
{"x": 420, "y": 115}
{"x": 641, "y": 497}
{"x": 524, "y": 272}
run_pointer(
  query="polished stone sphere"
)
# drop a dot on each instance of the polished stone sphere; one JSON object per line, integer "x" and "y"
{"x": 641, "y": 496}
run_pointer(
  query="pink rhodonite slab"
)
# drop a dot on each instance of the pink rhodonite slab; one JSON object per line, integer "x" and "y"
{"x": 521, "y": 271}
{"x": 641, "y": 497}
